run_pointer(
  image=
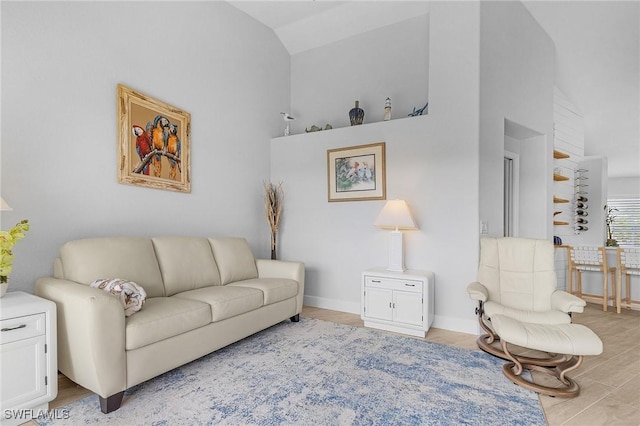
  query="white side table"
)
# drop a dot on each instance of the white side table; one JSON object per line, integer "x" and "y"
{"x": 28, "y": 356}
{"x": 402, "y": 302}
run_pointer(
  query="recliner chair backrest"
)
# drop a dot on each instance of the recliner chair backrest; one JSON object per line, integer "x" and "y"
{"x": 518, "y": 272}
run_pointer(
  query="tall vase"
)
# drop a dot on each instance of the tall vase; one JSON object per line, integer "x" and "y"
{"x": 356, "y": 115}
{"x": 273, "y": 246}
{"x": 4, "y": 285}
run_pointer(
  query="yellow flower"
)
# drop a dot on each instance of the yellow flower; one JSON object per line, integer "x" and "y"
{"x": 7, "y": 241}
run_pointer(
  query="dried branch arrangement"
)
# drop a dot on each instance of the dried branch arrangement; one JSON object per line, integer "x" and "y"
{"x": 273, "y": 200}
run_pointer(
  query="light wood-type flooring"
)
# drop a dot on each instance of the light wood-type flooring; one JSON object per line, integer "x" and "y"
{"x": 609, "y": 383}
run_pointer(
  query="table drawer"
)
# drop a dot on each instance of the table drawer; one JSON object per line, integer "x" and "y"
{"x": 394, "y": 284}
{"x": 18, "y": 328}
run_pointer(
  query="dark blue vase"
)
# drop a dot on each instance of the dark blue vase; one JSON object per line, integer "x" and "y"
{"x": 356, "y": 115}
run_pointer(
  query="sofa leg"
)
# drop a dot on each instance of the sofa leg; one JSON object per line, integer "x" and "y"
{"x": 295, "y": 318}
{"x": 111, "y": 403}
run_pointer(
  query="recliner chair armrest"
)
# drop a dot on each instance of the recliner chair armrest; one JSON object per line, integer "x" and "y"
{"x": 478, "y": 292}
{"x": 566, "y": 302}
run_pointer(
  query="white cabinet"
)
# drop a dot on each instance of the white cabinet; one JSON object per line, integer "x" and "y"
{"x": 398, "y": 301}
{"x": 28, "y": 359}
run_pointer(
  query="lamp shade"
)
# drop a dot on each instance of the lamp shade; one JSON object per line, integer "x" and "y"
{"x": 395, "y": 215}
{"x": 4, "y": 206}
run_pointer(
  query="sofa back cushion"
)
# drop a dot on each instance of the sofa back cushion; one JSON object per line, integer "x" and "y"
{"x": 234, "y": 258}
{"x": 186, "y": 263}
{"x": 129, "y": 258}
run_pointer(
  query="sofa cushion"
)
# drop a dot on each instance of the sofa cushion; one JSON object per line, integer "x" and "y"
{"x": 234, "y": 258}
{"x": 274, "y": 289}
{"x": 165, "y": 317}
{"x": 186, "y": 263}
{"x": 129, "y": 258}
{"x": 226, "y": 301}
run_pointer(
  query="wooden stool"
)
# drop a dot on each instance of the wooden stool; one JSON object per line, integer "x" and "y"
{"x": 591, "y": 259}
{"x": 628, "y": 265}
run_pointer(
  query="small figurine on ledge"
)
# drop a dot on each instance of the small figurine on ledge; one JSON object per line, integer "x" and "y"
{"x": 315, "y": 128}
{"x": 417, "y": 112}
{"x": 287, "y": 118}
{"x": 387, "y": 109}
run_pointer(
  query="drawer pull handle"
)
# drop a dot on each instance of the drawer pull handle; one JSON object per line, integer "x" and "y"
{"x": 375, "y": 281}
{"x": 15, "y": 328}
{"x": 409, "y": 285}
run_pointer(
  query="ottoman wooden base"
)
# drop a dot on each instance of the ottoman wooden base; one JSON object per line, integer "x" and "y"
{"x": 569, "y": 341}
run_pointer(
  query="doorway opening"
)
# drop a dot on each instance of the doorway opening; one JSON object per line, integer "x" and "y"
{"x": 511, "y": 203}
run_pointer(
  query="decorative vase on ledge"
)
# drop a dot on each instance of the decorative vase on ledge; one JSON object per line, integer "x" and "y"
{"x": 4, "y": 286}
{"x": 356, "y": 115}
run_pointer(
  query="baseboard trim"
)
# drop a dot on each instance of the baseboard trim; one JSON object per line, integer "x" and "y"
{"x": 333, "y": 304}
{"x": 457, "y": 324}
{"x": 439, "y": 321}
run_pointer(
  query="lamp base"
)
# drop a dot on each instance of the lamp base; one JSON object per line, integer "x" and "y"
{"x": 396, "y": 252}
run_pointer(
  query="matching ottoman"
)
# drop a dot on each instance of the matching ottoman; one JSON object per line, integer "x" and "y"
{"x": 572, "y": 341}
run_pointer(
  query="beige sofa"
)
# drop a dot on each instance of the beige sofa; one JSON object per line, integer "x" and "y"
{"x": 202, "y": 294}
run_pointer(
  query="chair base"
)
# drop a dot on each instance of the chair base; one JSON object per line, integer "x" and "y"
{"x": 490, "y": 344}
{"x": 568, "y": 387}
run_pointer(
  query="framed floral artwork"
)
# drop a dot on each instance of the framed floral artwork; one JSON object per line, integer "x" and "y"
{"x": 356, "y": 173}
{"x": 154, "y": 142}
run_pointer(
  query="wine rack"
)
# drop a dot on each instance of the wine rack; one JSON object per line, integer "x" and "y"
{"x": 581, "y": 203}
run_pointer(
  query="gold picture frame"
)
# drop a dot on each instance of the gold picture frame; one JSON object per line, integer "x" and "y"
{"x": 154, "y": 142}
{"x": 357, "y": 173}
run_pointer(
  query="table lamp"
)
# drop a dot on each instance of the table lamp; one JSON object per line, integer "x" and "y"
{"x": 395, "y": 215}
{"x": 4, "y": 206}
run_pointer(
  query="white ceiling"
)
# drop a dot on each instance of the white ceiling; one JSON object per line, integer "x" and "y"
{"x": 597, "y": 55}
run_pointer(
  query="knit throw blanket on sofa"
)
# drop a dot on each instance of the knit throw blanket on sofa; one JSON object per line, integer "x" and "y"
{"x": 320, "y": 373}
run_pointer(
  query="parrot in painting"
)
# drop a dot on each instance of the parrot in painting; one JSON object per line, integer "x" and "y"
{"x": 159, "y": 137}
{"x": 173, "y": 147}
{"x": 143, "y": 145}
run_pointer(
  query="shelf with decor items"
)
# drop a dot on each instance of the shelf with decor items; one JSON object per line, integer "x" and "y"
{"x": 28, "y": 356}
{"x": 347, "y": 129}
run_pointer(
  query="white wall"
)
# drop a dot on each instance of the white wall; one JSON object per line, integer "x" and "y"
{"x": 628, "y": 187}
{"x": 432, "y": 162}
{"x": 61, "y": 62}
{"x": 391, "y": 61}
{"x": 516, "y": 83}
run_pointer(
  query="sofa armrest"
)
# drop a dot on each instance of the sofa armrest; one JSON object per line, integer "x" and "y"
{"x": 91, "y": 335}
{"x": 268, "y": 268}
{"x": 566, "y": 302}
{"x": 478, "y": 292}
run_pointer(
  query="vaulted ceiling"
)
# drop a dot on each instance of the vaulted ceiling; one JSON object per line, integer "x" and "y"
{"x": 597, "y": 56}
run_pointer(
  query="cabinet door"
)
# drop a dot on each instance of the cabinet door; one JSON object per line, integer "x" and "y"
{"x": 408, "y": 307}
{"x": 378, "y": 303}
{"x": 23, "y": 371}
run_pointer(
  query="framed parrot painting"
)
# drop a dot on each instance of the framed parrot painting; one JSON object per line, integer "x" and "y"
{"x": 356, "y": 173}
{"x": 154, "y": 141}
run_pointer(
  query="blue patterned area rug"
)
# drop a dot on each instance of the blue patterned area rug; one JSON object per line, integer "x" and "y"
{"x": 320, "y": 373}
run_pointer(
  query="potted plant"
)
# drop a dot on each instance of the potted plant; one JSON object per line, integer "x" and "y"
{"x": 611, "y": 242}
{"x": 7, "y": 240}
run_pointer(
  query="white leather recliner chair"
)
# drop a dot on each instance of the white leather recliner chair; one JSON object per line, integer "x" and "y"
{"x": 517, "y": 278}
{"x": 517, "y": 287}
